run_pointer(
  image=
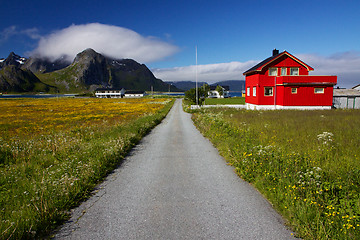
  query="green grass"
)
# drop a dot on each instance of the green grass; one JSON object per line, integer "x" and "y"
{"x": 217, "y": 101}
{"x": 307, "y": 163}
{"x": 52, "y": 173}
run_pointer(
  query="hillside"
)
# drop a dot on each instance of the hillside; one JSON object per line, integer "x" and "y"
{"x": 15, "y": 80}
{"x": 186, "y": 85}
{"x": 91, "y": 70}
{"x": 234, "y": 85}
{"x": 88, "y": 71}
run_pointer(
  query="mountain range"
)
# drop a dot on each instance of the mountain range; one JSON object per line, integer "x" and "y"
{"x": 234, "y": 85}
{"x": 88, "y": 71}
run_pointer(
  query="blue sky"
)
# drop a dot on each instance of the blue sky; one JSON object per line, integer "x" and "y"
{"x": 231, "y": 36}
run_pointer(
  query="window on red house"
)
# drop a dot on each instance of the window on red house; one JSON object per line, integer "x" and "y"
{"x": 268, "y": 91}
{"x": 294, "y": 90}
{"x": 294, "y": 71}
{"x": 254, "y": 91}
{"x": 248, "y": 91}
{"x": 319, "y": 90}
{"x": 273, "y": 71}
{"x": 283, "y": 71}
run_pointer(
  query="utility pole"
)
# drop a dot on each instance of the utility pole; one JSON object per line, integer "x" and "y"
{"x": 196, "y": 77}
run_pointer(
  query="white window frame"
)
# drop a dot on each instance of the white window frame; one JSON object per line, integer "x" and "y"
{"x": 294, "y": 90}
{"x": 292, "y": 73}
{"x": 283, "y": 71}
{"x": 318, "y": 90}
{"x": 272, "y": 91}
{"x": 254, "y": 91}
{"x": 248, "y": 91}
{"x": 273, "y": 71}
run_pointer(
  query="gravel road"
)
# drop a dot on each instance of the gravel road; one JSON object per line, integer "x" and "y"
{"x": 174, "y": 185}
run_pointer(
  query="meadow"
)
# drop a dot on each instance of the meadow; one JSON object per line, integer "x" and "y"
{"x": 306, "y": 163}
{"x": 53, "y": 152}
{"x": 217, "y": 101}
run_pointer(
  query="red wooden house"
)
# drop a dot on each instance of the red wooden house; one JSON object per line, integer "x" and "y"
{"x": 282, "y": 81}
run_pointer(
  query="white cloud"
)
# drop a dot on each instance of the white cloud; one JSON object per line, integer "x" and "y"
{"x": 7, "y": 33}
{"x": 11, "y": 31}
{"x": 209, "y": 73}
{"x": 33, "y": 33}
{"x": 345, "y": 65}
{"x": 113, "y": 41}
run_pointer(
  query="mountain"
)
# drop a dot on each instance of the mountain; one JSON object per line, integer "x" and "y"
{"x": 14, "y": 79}
{"x": 186, "y": 85}
{"x": 91, "y": 70}
{"x": 12, "y": 59}
{"x": 234, "y": 85}
{"x": 88, "y": 71}
{"x": 43, "y": 65}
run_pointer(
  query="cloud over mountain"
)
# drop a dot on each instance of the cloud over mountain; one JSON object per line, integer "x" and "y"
{"x": 109, "y": 40}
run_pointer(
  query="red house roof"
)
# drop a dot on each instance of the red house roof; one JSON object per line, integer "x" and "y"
{"x": 259, "y": 67}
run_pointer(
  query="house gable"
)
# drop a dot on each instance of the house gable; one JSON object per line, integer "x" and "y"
{"x": 283, "y": 59}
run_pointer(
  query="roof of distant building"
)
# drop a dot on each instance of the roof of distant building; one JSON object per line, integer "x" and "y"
{"x": 346, "y": 92}
{"x": 134, "y": 92}
{"x": 213, "y": 87}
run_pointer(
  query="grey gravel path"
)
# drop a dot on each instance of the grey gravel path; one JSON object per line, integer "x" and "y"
{"x": 174, "y": 185}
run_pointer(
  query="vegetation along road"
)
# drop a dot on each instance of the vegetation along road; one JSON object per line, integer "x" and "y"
{"x": 174, "y": 185}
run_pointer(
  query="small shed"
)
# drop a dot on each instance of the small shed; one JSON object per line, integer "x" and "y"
{"x": 346, "y": 98}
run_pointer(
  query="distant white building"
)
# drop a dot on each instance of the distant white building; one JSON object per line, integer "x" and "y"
{"x": 110, "y": 93}
{"x": 215, "y": 94}
{"x": 357, "y": 87}
{"x": 346, "y": 98}
{"x": 134, "y": 94}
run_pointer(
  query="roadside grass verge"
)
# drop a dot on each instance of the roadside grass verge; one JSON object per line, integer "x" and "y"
{"x": 307, "y": 163}
{"x": 221, "y": 101}
{"x": 49, "y": 170}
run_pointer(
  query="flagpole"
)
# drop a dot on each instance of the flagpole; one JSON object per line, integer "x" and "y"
{"x": 196, "y": 77}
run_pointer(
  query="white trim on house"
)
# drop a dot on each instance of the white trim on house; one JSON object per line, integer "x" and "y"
{"x": 250, "y": 106}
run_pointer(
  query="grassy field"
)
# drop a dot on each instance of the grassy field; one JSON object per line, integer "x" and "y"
{"x": 217, "y": 101}
{"x": 307, "y": 163}
{"x": 54, "y": 151}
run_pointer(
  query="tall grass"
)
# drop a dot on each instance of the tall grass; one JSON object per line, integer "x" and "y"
{"x": 42, "y": 176}
{"x": 307, "y": 163}
{"x": 217, "y": 101}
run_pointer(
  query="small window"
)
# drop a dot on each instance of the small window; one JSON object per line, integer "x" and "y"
{"x": 294, "y": 90}
{"x": 318, "y": 90}
{"x": 283, "y": 71}
{"x": 248, "y": 91}
{"x": 294, "y": 71}
{"x": 273, "y": 71}
{"x": 254, "y": 91}
{"x": 268, "y": 91}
